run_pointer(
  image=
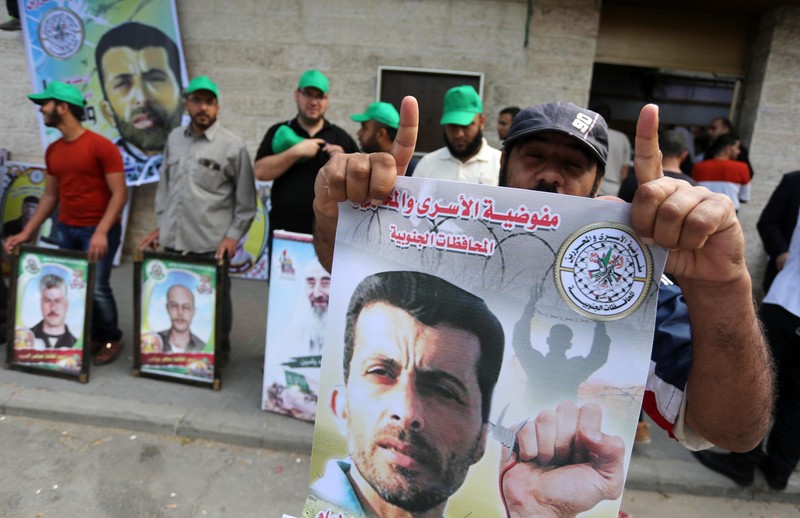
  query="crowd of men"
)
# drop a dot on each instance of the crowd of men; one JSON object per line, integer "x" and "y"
{"x": 206, "y": 201}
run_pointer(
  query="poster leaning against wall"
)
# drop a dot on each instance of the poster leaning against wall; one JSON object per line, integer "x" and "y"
{"x": 250, "y": 261}
{"x": 176, "y": 301}
{"x": 21, "y": 188}
{"x": 50, "y": 312}
{"x": 296, "y": 320}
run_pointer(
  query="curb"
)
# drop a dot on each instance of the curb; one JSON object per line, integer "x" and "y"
{"x": 258, "y": 429}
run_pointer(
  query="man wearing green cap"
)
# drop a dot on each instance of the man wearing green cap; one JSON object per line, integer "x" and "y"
{"x": 466, "y": 157}
{"x": 85, "y": 180}
{"x": 206, "y": 198}
{"x": 378, "y": 127}
{"x": 292, "y": 156}
{"x": 378, "y": 130}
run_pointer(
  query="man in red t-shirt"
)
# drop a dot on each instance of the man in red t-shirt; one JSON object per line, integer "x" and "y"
{"x": 721, "y": 172}
{"x": 85, "y": 179}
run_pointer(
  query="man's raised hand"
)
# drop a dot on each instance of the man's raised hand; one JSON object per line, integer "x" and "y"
{"x": 358, "y": 177}
{"x": 699, "y": 227}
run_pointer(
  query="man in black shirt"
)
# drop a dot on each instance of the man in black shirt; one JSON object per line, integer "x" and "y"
{"x": 292, "y": 153}
{"x": 673, "y": 153}
{"x": 777, "y": 222}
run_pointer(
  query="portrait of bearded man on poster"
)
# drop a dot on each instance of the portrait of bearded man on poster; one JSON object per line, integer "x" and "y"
{"x": 139, "y": 68}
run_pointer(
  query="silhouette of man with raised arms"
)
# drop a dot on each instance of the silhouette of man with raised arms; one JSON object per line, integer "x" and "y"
{"x": 554, "y": 376}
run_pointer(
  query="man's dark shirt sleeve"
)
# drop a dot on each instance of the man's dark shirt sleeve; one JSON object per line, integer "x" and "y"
{"x": 777, "y": 222}
{"x": 265, "y": 149}
{"x": 779, "y": 217}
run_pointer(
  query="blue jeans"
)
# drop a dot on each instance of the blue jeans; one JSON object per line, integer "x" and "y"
{"x": 105, "y": 326}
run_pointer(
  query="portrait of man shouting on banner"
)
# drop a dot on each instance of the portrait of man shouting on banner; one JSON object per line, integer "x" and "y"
{"x": 421, "y": 361}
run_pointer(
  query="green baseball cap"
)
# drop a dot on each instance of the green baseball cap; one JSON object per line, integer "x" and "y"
{"x": 60, "y": 92}
{"x": 384, "y": 113}
{"x": 202, "y": 83}
{"x": 461, "y": 105}
{"x": 284, "y": 138}
{"x": 314, "y": 79}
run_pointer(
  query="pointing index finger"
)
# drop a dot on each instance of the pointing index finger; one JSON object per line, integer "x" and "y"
{"x": 406, "y": 139}
{"x": 647, "y": 157}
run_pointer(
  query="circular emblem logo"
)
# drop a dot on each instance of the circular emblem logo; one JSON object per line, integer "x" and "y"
{"x": 156, "y": 270}
{"x": 61, "y": 33}
{"x": 77, "y": 281}
{"x": 603, "y": 271}
{"x": 31, "y": 265}
{"x": 36, "y": 175}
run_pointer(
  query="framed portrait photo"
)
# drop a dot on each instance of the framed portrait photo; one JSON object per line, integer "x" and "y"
{"x": 176, "y": 300}
{"x": 50, "y": 301}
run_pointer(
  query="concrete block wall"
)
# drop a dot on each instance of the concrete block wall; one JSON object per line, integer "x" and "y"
{"x": 258, "y": 63}
{"x": 256, "y": 49}
{"x": 770, "y": 119}
{"x": 19, "y": 131}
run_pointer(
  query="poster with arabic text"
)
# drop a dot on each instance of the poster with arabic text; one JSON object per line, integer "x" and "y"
{"x": 486, "y": 355}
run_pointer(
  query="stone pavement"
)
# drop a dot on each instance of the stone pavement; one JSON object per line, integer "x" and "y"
{"x": 113, "y": 397}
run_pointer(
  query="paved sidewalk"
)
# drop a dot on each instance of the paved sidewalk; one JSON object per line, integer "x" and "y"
{"x": 113, "y": 397}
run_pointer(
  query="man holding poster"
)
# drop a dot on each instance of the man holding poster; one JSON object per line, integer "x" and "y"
{"x": 707, "y": 386}
{"x": 206, "y": 199}
{"x": 85, "y": 181}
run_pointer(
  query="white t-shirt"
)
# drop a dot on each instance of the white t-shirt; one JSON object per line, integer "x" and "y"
{"x": 483, "y": 168}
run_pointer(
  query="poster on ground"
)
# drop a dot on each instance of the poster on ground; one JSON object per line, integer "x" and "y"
{"x": 49, "y": 329}
{"x": 176, "y": 301}
{"x": 296, "y": 319}
{"x": 126, "y": 57}
{"x": 469, "y": 326}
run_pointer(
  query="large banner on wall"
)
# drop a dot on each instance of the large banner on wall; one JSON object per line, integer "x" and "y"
{"x": 486, "y": 353}
{"x": 125, "y": 57}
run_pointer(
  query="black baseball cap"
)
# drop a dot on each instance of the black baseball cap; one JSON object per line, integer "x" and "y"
{"x": 564, "y": 117}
